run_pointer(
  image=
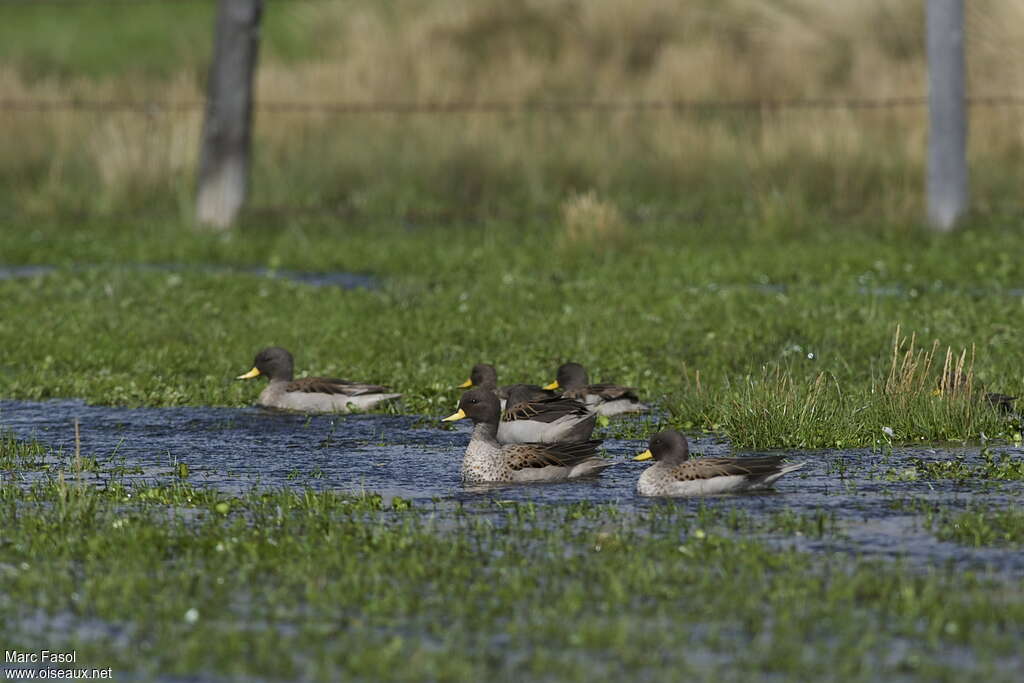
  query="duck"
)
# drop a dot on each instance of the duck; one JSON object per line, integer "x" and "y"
{"x": 488, "y": 461}
{"x": 604, "y": 399}
{"x": 527, "y": 419}
{"x": 310, "y": 394}
{"x": 958, "y": 383}
{"x": 675, "y": 474}
{"x": 486, "y": 376}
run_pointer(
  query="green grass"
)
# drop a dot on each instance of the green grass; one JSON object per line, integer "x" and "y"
{"x": 74, "y": 39}
{"x": 792, "y": 338}
{"x": 980, "y": 527}
{"x": 321, "y": 585}
{"x": 71, "y": 45}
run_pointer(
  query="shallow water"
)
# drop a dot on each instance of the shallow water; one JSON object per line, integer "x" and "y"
{"x": 346, "y": 280}
{"x": 235, "y": 450}
{"x": 341, "y": 280}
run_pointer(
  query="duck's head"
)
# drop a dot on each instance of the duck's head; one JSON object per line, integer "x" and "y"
{"x": 272, "y": 362}
{"x": 570, "y": 376}
{"x": 668, "y": 446}
{"x": 479, "y": 405}
{"x": 518, "y": 393}
{"x": 482, "y": 375}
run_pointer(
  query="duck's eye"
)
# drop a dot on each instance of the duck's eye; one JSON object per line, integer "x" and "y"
{"x": 473, "y": 401}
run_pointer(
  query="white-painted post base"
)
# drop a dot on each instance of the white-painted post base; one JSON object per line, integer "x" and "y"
{"x": 947, "y": 114}
{"x": 227, "y": 128}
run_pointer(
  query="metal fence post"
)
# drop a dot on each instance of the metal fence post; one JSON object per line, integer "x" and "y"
{"x": 947, "y": 130}
{"x": 227, "y": 128}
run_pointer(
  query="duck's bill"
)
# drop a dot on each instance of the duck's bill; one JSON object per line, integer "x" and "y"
{"x": 454, "y": 417}
{"x": 466, "y": 385}
{"x": 552, "y": 386}
{"x": 646, "y": 455}
{"x": 255, "y": 372}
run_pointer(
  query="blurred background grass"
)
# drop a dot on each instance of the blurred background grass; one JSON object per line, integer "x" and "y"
{"x": 784, "y": 169}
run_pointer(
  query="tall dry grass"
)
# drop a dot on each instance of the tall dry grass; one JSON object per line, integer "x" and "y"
{"x": 924, "y": 392}
{"x": 589, "y": 221}
{"x": 774, "y": 165}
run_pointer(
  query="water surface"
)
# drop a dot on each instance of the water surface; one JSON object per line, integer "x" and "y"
{"x": 235, "y": 450}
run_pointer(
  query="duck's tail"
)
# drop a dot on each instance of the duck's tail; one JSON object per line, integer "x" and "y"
{"x": 590, "y": 467}
{"x": 783, "y": 470}
{"x": 582, "y": 430}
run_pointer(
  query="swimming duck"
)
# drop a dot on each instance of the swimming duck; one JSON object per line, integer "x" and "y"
{"x": 674, "y": 474}
{"x": 544, "y": 420}
{"x": 604, "y": 399}
{"x": 310, "y": 394}
{"x": 484, "y": 375}
{"x": 487, "y": 460}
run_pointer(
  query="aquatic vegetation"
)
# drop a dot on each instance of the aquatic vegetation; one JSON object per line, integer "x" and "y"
{"x": 22, "y": 455}
{"x": 818, "y": 524}
{"x": 494, "y": 590}
{"x": 978, "y": 526}
{"x": 469, "y": 586}
{"x": 992, "y": 467}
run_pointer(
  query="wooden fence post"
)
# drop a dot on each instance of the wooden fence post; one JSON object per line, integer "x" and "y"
{"x": 227, "y": 128}
{"x": 947, "y": 114}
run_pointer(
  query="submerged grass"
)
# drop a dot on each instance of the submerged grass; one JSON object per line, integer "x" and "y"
{"x": 997, "y": 467}
{"x": 321, "y": 585}
{"x": 980, "y": 527}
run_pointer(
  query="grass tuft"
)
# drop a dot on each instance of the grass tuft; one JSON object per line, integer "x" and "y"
{"x": 591, "y": 222}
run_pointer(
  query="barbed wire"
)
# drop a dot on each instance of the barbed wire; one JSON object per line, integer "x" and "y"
{"x": 38, "y": 105}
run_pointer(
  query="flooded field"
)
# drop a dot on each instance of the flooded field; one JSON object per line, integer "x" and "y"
{"x": 341, "y": 280}
{"x": 870, "y": 494}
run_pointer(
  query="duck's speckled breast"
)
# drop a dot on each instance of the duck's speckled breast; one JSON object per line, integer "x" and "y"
{"x": 482, "y": 463}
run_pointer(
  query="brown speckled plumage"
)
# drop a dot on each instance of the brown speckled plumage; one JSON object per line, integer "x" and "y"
{"x": 675, "y": 474}
{"x": 487, "y": 460}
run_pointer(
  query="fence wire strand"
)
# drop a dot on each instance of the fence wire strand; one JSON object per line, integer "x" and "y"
{"x": 499, "y": 107}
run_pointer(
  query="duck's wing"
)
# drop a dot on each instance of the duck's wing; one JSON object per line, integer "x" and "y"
{"x": 331, "y": 385}
{"x": 606, "y": 392}
{"x": 545, "y": 410}
{"x": 567, "y": 454}
{"x": 709, "y": 468}
{"x": 537, "y": 393}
